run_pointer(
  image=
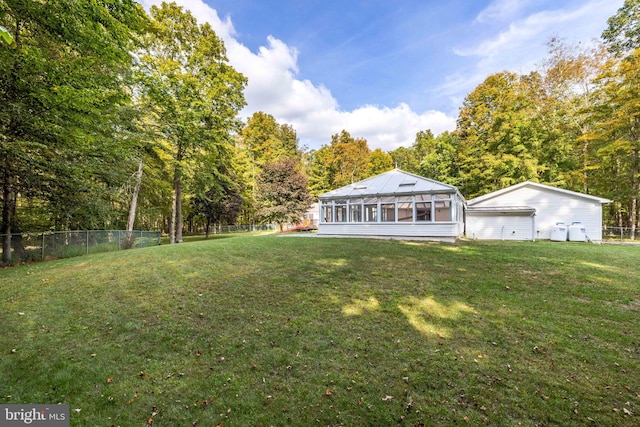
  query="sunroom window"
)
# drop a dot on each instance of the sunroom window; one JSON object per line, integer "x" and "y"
{"x": 388, "y": 209}
{"x": 327, "y": 212}
{"x": 405, "y": 209}
{"x": 371, "y": 209}
{"x": 341, "y": 210}
{"x": 423, "y": 207}
{"x": 355, "y": 210}
{"x": 443, "y": 207}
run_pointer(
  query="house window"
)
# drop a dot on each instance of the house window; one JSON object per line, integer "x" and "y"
{"x": 388, "y": 209}
{"x": 371, "y": 209}
{"x": 327, "y": 212}
{"x": 443, "y": 207}
{"x": 355, "y": 210}
{"x": 405, "y": 209}
{"x": 423, "y": 207}
{"x": 341, "y": 210}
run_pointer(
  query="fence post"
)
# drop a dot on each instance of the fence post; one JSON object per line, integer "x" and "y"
{"x": 43, "y": 246}
{"x": 87, "y": 242}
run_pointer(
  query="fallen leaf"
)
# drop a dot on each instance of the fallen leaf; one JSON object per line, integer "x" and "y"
{"x": 328, "y": 392}
{"x": 387, "y": 398}
{"x": 109, "y": 380}
{"x": 626, "y": 411}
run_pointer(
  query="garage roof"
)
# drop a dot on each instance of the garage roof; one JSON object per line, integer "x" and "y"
{"x": 513, "y": 210}
{"x": 534, "y": 185}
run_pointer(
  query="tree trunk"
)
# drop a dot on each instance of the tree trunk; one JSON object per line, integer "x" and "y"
{"x": 178, "y": 192}
{"x": 7, "y": 209}
{"x": 172, "y": 223}
{"x": 132, "y": 208}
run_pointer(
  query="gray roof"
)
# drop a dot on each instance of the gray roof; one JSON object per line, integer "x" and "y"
{"x": 391, "y": 183}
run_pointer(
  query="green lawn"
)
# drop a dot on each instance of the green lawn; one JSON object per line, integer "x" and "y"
{"x": 271, "y": 330}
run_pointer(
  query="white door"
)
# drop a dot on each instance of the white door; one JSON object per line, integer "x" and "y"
{"x": 499, "y": 227}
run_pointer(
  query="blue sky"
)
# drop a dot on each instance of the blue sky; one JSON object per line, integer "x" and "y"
{"x": 383, "y": 70}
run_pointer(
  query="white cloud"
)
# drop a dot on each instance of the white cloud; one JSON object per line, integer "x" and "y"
{"x": 311, "y": 109}
{"x": 383, "y": 127}
{"x": 500, "y": 10}
{"x": 520, "y": 45}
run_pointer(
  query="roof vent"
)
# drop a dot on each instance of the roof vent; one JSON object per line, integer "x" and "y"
{"x": 408, "y": 184}
{"x": 360, "y": 187}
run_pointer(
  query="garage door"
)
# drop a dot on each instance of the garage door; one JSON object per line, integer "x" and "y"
{"x": 499, "y": 226}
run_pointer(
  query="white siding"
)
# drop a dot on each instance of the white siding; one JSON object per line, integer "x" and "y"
{"x": 495, "y": 226}
{"x": 551, "y": 207}
{"x": 444, "y": 230}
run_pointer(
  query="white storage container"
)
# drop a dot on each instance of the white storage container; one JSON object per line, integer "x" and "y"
{"x": 577, "y": 232}
{"x": 559, "y": 232}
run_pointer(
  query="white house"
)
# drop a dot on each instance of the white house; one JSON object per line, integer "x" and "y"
{"x": 530, "y": 211}
{"x": 394, "y": 204}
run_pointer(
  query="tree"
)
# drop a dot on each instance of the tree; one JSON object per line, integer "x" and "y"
{"x": 379, "y": 162}
{"x": 405, "y": 158}
{"x": 282, "y": 193}
{"x": 568, "y": 74}
{"x": 344, "y": 161}
{"x": 350, "y": 158}
{"x": 616, "y": 135}
{"x": 221, "y": 204}
{"x": 193, "y": 92}
{"x": 62, "y": 89}
{"x": 268, "y": 141}
{"x": 622, "y": 34}
{"x": 499, "y": 134}
{"x": 440, "y": 158}
{"x": 319, "y": 170}
{"x": 263, "y": 140}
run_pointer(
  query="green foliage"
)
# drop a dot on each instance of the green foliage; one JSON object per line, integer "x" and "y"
{"x": 268, "y": 141}
{"x": 6, "y": 37}
{"x": 282, "y": 196}
{"x": 379, "y": 162}
{"x": 622, "y": 34}
{"x": 193, "y": 96}
{"x": 439, "y": 158}
{"x": 263, "y": 140}
{"x": 615, "y": 135}
{"x": 63, "y": 92}
{"x": 344, "y": 161}
{"x": 500, "y": 136}
{"x": 221, "y": 204}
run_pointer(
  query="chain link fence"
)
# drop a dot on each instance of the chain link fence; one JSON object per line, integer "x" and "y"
{"x": 64, "y": 244}
{"x": 620, "y": 234}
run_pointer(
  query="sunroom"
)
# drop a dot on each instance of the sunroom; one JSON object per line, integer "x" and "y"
{"x": 394, "y": 204}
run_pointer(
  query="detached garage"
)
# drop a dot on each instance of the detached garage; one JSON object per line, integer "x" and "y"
{"x": 530, "y": 211}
